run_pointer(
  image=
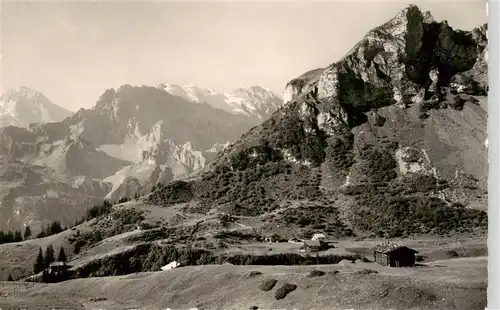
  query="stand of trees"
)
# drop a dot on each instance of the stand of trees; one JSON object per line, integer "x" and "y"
{"x": 43, "y": 261}
{"x": 17, "y": 236}
{"x": 51, "y": 229}
{"x": 8, "y": 237}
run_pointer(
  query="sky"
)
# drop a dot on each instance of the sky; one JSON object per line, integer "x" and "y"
{"x": 73, "y": 51}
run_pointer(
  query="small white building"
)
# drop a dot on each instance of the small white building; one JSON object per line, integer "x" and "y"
{"x": 318, "y": 237}
{"x": 295, "y": 241}
{"x": 171, "y": 265}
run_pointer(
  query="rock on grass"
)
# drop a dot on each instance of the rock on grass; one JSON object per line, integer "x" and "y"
{"x": 283, "y": 291}
{"x": 268, "y": 285}
{"x": 254, "y": 273}
{"x": 316, "y": 273}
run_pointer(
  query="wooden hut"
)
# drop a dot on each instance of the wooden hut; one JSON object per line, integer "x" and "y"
{"x": 56, "y": 268}
{"x": 394, "y": 255}
{"x": 310, "y": 246}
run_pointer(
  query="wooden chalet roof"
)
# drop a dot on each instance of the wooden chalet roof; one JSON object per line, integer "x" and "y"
{"x": 388, "y": 247}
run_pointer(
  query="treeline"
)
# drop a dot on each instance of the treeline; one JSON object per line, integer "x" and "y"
{"x": 50, "y": 229}
{"x": 15, "y": 236}
{"x": 56, "y": 227}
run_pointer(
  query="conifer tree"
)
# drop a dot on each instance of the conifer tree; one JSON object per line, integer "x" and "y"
{"x": 62, "y": 255}
{"x": 27, "y": 232}
{"x": 39, "y": 263}
{"x": 49, "y": 256}
{"x": 10, "y": 278}
{"x": 18, "y": 236}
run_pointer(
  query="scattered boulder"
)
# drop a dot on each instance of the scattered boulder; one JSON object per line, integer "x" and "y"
{"x": 345, "y": 262}
{"x": 333, "y": 272}
{"x": 268, "y": 285}
{"x": 254, "y": 273}
{"x": 284, "y": 290}
{"x": 316, "y": 273}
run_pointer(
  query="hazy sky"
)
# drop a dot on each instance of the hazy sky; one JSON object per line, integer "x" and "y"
{"x": 72, "y": 52}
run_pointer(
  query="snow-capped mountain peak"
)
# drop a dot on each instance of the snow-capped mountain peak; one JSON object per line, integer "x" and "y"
{"x": 255, "y": 101}
{"x": 24, "y": 105}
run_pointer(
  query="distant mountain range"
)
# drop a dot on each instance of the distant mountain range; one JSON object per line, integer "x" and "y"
{"x": 254, "y": 101}
{"x": 54, "y": 165}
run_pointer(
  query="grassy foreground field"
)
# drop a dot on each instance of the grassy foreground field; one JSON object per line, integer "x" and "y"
{"x": 458, "y": 283}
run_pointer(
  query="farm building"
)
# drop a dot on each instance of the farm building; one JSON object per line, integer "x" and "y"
{"x": 318, "y": 237}
{"x": 394, "y": 255}
{"x": 310, "y": 246}
{"x": 171, "y": 265}
{"x": 56, "y": 268}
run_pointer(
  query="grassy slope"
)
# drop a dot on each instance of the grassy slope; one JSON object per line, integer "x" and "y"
{"x": 459, "y": 285}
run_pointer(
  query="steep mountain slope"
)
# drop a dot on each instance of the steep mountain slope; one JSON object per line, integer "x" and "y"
{"x": 132, "y": 138}
{"x": 35, "y": 194}
{"x": 255, "y": 101}
{"x": 22, "y": 106}
{"x": 388, "y": 140}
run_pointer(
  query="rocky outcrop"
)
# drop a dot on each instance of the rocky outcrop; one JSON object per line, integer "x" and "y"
{"x": 301, "y": 85}
{"x": 379, "y": 134}
{"x": 410, "y": 59}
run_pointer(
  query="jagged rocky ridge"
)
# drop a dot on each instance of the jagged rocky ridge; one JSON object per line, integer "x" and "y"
{"x": 387, "y": 140}
{"x": 131, "y": 139}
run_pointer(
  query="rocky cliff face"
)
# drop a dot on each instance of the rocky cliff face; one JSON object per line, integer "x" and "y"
{"x": 301, "y": 85}
{"x": 389, "y": 139}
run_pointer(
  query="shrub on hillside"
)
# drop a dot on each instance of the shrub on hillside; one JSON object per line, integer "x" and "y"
{"x": 339, "y": 155}
{"x": 404, "y": 216}
{"x": 172, "y": 193}
{"x": 99, "y": 210}
{"x": 80, "y": 240}
{"x": 378, "y": 164}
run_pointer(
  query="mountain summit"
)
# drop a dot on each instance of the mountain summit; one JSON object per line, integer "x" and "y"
{"x": 22, "y": 106}
{"x": 255, "y": 101}
{"x": 388, "y": 140}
